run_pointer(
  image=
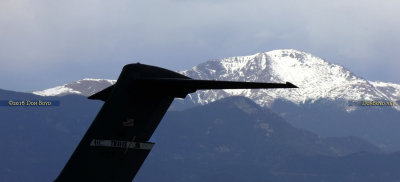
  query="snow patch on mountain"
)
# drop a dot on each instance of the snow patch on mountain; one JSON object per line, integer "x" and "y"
{"x": 57, "y": 91}
{"x": 390, "y": 89}
{"x": 85, "y": 87}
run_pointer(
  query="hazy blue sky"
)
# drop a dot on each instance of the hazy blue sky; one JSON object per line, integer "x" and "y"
{"x": 44, "y": 43}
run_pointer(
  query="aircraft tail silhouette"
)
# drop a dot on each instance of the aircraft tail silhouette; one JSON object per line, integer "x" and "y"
{"x": 117, "y": 142}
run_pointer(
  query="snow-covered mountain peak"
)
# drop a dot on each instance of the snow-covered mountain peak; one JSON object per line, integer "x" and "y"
{"x": 316, "y": 78}
{"x": 86, "y": 87}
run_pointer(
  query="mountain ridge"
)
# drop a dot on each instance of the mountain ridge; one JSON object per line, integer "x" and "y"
{"x": 236, "y": 140}
{"x": 317, "y": 79}
{"x": 85, "y": 87}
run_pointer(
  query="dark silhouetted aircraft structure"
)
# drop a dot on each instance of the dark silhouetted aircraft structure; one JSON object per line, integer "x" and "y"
{"x": 117, "y": 142}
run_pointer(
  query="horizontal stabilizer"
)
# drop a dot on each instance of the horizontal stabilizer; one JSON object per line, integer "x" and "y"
{"x": 191, "y": 84}
{"x": 186, "y": 86}
{"x": 102, "y": 95}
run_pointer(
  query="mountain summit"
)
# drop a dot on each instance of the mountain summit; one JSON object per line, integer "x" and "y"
{"x": 315, "y": 77}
